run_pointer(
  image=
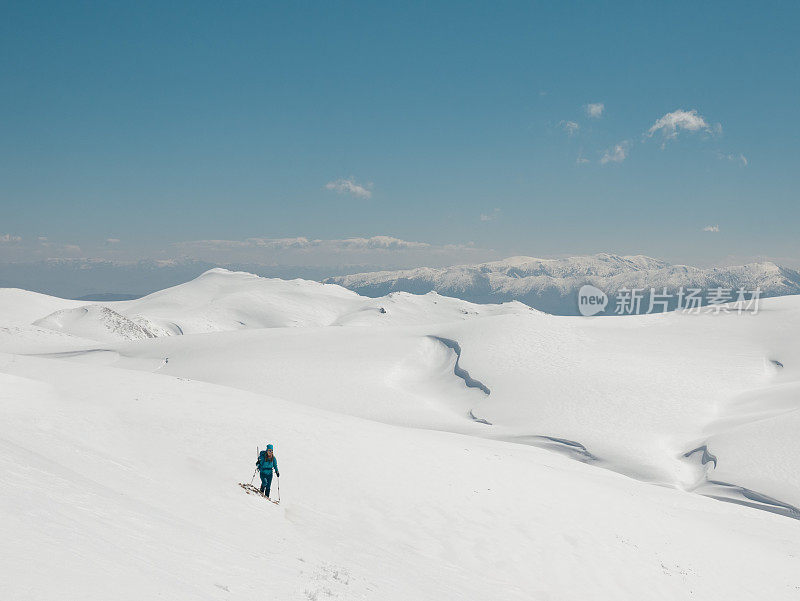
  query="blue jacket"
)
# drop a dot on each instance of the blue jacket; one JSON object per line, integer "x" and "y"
{"x": 265, "y": 466}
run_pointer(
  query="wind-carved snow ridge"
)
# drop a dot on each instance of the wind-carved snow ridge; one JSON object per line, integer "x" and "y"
{"x": 464, "y": 375}
{"x": 480, "y": 420}
{"x": 733, "y": 493}
{"x": 706, "y": 456}
{"x": 570, "y": 448}
{"x": 460, "y": 371}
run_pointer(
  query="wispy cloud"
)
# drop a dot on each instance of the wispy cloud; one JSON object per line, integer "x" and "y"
{"x": 616, "y": 154}
{"x": 374, "y": 250}
{"x": 734, "y": 158}
{"x": 672, "y": 123}
{"x": 349, "y": 186}
{"x": 570, "y": 127}
{"x": 302, "y": 243}
{"x": 490, "y": 216}
{"x": 16, "y": 248}
{"x": 594, "y": 110}
{"x": 386, "y": 243}
{"x": 711, "y": 228}
{"x": 112, "y": 240}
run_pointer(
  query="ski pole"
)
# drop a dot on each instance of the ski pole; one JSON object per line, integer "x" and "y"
{"x": 254, "y": 473}
{"x": 278, "y": 481}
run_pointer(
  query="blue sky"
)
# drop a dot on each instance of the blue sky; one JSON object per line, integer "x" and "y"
{"x": 133, "y": 130}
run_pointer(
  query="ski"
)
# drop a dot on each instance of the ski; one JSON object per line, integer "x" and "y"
{"x": 252, "y": 490}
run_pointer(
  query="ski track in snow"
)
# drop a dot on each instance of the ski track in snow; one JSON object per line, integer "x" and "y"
{"x": 101, "y": 354}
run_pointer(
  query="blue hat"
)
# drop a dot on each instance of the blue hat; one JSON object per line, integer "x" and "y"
{"x": 269, "y": 447}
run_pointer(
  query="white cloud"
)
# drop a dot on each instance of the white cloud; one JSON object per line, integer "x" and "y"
{"x": 387, "y": 243}
{"x": 10, "y": 238}
{"x": 375, "y": 242}
{"x": 672, "y": 123}
{"x": 734, "y": 158}
{"x": 349, "y": 186}
{"x": 112, "y": 240}
{"x": 711, "y": 228}
{"x": 594, "y": 110}
{"x": 570, "y": 127}
{"x": 490, "y": 216}
{"x": 616, "y": 154}
{"x": 375, "y": 250}
{"x": 301, "y": 243}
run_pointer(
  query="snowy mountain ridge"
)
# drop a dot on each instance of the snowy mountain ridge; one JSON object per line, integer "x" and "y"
{"x": 96, "y": 322}
{"x": 551, "y": 285}
{"x": 223, "y": 300}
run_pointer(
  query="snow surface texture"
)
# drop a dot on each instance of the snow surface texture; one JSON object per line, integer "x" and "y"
{"x": 552, "y": 285}
{"x": 415, "y": 436}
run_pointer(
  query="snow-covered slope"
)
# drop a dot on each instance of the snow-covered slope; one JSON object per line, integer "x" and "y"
{"x": 21, "y": 307}
{"x": 221, "y": 300}
{"x": 551, "y": 285}
{"x": 224, "y": 300}
{"x": 633, "y": 394}
{"x": 100, "y": 323}
{"x": 128, "y": 480}
{"x": 415, "y": 436}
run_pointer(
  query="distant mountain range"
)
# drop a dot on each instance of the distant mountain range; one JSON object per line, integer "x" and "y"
{"x": 552, "y": 285}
